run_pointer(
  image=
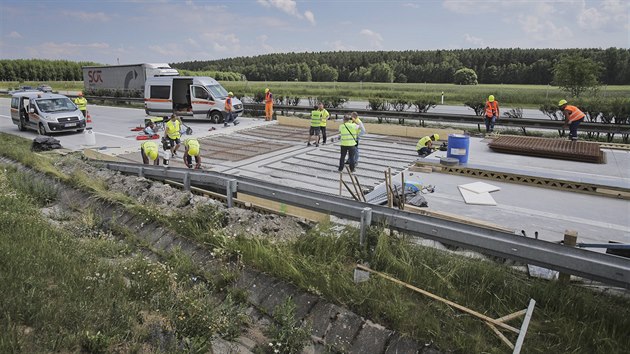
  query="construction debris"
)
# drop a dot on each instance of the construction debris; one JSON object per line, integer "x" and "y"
{"x": 45, "y": 143}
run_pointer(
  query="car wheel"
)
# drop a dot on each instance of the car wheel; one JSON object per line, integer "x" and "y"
{"x": 42, "y": 129}
{"x": 215, "y": 117}
{"x": 21, "y": 125}
{"x": 80, "y": 130}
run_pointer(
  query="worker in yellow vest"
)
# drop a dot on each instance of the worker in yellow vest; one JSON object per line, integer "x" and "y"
{"x": 324, "y": 118}
{"x": 173, "y": 133}
{"x": 348, "y": 141}
{"x": 316, "y": 123}
{"x": 425, "y": 145}
{"x": 81, "y": 103}
{"x": 572, "y": 117}
{"x": 360, "y": 132}
{"x": 149, "y": 152}
{"x": 192, "y": 148}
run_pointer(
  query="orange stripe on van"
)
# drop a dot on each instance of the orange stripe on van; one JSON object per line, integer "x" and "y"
{"x": 156, "y": 100}
{"x": 203, "y": 102}
{"x": 14, "y": 109}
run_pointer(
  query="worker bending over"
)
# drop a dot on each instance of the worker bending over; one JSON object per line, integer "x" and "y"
{"x": 572, "y": 117}
{"x": 192, "y": 148}
{"x": 348, "y": 140}
{"x": 425, "y": 145}
{"x": 316, "y": 122}
{"x": 149, "y": 152}
{"x": 172, "y": 130}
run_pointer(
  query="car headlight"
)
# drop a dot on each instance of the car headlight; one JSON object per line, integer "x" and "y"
{"x": 47, "y": 118}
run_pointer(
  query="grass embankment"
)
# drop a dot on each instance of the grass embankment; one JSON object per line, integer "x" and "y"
{"x": 567, "y": 319}
{"x": 525, "y": 96}
{"x": 78, "y": 288}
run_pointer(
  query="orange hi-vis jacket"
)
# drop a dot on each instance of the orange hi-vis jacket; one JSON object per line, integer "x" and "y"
{"x": 574, "y": 113}
{"x": 492, "y": 109}
{"x": 228, "y": 104}
{"x": 268, "y": 97}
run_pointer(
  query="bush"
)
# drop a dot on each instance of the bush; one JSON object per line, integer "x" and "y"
{"x": 333, "y": 101}
{"x": 423, "y": 105}
{"x": 378, "y": 104}
{"x": 476, "y": 105}
{"x": 399, "y": 105}
{"x": 465, "y": 76}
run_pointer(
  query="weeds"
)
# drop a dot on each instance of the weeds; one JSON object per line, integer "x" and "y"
{"x": 288, "y": 335}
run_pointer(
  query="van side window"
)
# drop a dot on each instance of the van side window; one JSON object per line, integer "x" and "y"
{"x": 199, "y": 92}
{"x": 162, "y": 92}
{"x": 15, "y": 102}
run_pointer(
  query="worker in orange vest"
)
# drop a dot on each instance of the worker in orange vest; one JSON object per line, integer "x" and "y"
{"x": 268, "y": 104}
{"x": 229, "y": 111}
{"x": 491, "y": 113}
{"x": 572, "y": 117}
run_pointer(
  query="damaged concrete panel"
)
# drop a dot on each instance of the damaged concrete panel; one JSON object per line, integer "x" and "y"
{"x": 403, "y": 345}
{"x": 246, "y": 279}
{"x": 371, "y": 339}
{"x": 260, "y": 288}
{"x": 343, "y": 330}
{"x": 321, "y": 318}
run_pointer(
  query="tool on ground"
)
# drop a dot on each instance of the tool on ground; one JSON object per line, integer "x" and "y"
{"x": 147, "y": 137}
{"x": 137, "y": 129}
{"x": 494, "y": 323}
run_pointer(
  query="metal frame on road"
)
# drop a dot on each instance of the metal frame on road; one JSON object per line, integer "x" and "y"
{"x": 601, "y": 267}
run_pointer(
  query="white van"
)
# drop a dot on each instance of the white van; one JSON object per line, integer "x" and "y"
{"x": 45, "y": 112}
{"x": 188, "y": 96}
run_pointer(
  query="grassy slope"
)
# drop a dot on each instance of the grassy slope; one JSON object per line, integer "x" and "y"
{"x": 567, "y": 319}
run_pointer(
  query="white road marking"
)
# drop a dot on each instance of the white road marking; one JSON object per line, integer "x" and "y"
{"x": 113, "y": 136}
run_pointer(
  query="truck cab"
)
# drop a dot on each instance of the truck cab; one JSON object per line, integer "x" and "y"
{"x": 45, "y": 113}
{"x": 192, "y": 96}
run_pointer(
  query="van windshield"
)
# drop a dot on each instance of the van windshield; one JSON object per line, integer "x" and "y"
{"x": 217, "y": 91}
{"x": 49, "y": 105}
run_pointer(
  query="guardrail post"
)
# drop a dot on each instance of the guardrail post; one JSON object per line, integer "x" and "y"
{"x": 140, "y": 171}
{"x": 230, "y": 190}
{"x": 187, "y": 181}
{"x": 366, "y": 220}
{"x": 570, "y": 240}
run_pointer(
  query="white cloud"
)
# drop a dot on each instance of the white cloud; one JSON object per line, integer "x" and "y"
{"x": 471, "y": 6}
{"x": 544, "y": 30}
{"x": 289, "y": 7}
{"x": 87, "y": 16}
{"x": 264, "y": 45}
{"x": 339, "y": 46}
{"x": 14, "y": 35}
{"x": 376, "y": 40}
{"x": 63, "y": 50}
{"x": 310, "y": 17}
{"x": 411, "y": 5}
{"x": 592, "y": 18}
{"x": 475, "y": 41}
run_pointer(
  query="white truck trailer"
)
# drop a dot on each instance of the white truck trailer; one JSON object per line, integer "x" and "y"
{"x": 128, "y": 79}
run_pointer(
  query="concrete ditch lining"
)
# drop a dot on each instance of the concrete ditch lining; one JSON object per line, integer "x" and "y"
{"x": 333, "y": 326}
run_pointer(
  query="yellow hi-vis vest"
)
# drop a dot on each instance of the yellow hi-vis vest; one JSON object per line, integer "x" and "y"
{"x": 81, "y": 102}
{"x": 325, "y": 116}
{"x": 149, "y": 146}
{"x": 423, "y": 142}
{"x": 193, "y": 146}
{"x": 348, "y": 134}
{"x": 172, "y": 129}
{"x": 358, "y": 126}
{"x": 316, "y": 118}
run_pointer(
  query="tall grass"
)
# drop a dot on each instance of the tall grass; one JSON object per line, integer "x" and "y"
{"x": 62, "y": 292}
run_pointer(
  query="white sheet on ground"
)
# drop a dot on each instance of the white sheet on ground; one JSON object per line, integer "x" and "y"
{"x": 476, "y": 198}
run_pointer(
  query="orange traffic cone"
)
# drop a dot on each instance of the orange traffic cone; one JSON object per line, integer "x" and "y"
{"x": 89, "y": 118}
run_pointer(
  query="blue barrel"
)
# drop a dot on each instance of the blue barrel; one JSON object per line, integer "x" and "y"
{"x": 458, "y": 147}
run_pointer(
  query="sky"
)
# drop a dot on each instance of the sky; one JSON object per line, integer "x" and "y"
{"x": 144, "y": 31}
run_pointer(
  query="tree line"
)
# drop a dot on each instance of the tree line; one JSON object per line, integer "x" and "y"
{"x": 41, "y": 70}
{"x": 492, "y": 66}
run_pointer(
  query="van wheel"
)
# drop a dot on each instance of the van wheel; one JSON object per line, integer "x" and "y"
{"x": 41, "y": 129}
{"x": 215, "y": 117}
{"x": 21, "y": 125}
{"x": 80, "y": 130}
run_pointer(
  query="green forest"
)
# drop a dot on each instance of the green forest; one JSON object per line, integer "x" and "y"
{"x": 41, "y": 70}
{"x": 492, "y": 66}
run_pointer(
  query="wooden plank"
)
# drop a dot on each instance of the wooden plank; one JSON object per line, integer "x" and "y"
{"x": 457, "y": 218}
{"x": 284, "y": 209}
{"x": 500, "y": 335}
{"x": 512, "y": 316}
{"x": 95, "y": 155}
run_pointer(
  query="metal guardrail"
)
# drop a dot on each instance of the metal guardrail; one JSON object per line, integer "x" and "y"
{"x": 601, "y": 267}
{"x": 456, "y": 118}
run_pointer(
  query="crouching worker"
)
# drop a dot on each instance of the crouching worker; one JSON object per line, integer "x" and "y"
{"x": 425, "y": 145}
{"x": 192, "y": 148}
{"x": 149, "y": 152}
